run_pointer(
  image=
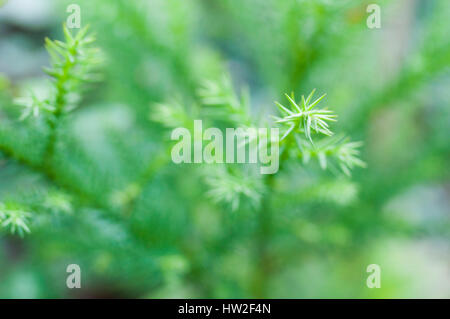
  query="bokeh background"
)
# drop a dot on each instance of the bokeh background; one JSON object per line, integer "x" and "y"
{"x": 389, "y": 86}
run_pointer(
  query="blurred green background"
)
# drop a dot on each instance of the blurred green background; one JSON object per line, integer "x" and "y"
{"x": 389, "y": 86}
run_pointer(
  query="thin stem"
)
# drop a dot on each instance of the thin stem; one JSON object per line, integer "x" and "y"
{"x": 263, "y": 254}
{"x": 60, "y": 102}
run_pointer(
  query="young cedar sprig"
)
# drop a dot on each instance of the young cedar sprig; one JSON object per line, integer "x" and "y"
{"x": 228, "y": 184}
{"x": 170, "y": 115}
{"x": 15, "y": 219}
{"x": 330, "y": 150}
{"x": 220, "y": 102}
{"x": 303, "y": 117}
{"x": 73, "y": 63}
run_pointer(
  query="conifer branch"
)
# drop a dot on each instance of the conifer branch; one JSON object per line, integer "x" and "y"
{"x": 73, "y": 63}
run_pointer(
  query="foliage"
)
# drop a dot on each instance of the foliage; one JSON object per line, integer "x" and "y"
{"x": 72, "y": 64}
{"x": 86, "y": 176}
{"x": 14, "y": 219}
